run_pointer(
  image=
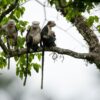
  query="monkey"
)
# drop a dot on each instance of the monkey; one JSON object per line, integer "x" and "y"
{"x": 12, "y": 34}
{"x": 47, "y": 40}
{"x": 33, "y": 38}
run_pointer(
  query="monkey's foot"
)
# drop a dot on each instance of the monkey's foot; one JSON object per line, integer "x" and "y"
{"x": 35, "y": 48}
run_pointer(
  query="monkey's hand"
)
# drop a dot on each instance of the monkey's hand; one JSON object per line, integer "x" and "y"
{"x": 46, "y": 37}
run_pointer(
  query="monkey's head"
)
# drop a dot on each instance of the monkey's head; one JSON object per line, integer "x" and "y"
{"x": 35, "y": 24}
{"x": 51, "y": 23}
{"x": 11, "y": 23}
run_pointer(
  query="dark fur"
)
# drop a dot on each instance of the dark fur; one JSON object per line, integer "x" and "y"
{"x": 46, "y": 41}
{"x": 30, "y": 44}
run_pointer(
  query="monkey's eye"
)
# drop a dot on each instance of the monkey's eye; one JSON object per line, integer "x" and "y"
{"x": 34, "y": 27}
{"x": 11, "y": 24}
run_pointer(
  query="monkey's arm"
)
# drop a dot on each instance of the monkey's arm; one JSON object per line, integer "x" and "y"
{"x": 44, "y": 32}
{"x": 27, "y": 35}
{"x": 16, "y": 36}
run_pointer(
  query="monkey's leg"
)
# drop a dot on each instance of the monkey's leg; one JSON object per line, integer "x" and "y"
{"x": 8, "y": 45}
{"x": 42, "y": 71}
{"x": 35, "y": 47}
{"x": 15, "y": 44}
{"x": 50, "y": 42}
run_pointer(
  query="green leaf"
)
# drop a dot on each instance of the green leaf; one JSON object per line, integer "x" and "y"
{"x": 4, "y": 2}
{"x": 21, "y": 41}
{"x": 96, "y": 18}
{"x": 17, "y": 71}
{"x": 4, "y": 21}
{"x": 3, "y": 62}
{"x": 39, "y": 56}
{"x": 22, "y": 10}
{"x": 36, "y": 67}
{"x": 18, "y": 14}
{"x": 23, "y": 23}
{"x": 21, "y": 74}
{"x": 31, "y": 56}
{"x": 98, "y": 27}
{"x": 16, "y": 58}
{"x": 91, "y": 20}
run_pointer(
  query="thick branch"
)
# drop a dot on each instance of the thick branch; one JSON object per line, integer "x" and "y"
{"x": 11, "y": 8}
{"x": 86, "y": 32}
{"x": 58, "y": 50}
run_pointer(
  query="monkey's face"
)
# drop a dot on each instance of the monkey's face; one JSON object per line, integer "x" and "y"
{"x": 35, "y": 26}
{"x": 11, "y": 24}
{"x": 51, "y": 23}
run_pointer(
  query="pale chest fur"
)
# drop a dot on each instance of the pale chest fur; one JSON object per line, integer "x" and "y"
{"x": 49, "y": 31}
{"x": 35, "y": 35}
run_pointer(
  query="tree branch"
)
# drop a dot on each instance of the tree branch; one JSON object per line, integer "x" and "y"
{"x": 11, "y": 8}
{"x": 88, "y": 35}
{"x": 57, "y": 50}
{"x": 3, "y": 46}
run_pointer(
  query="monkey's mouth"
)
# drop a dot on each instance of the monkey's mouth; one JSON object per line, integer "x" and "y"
{"x": 53, "y": 25}
{"x": 10, "y": 26}
{"x": 34, "y": 28}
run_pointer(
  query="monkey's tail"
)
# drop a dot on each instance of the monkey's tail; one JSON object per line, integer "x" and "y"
{"x": 42, "y": 72}
{"x": 26, "y": 70}
{"x": 8, "y": 52}
{"x": 8, "y": 62}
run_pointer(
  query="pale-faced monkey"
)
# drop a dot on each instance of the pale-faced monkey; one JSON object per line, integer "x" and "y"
{"x": 33, "y": 38}
{"x": 12, "y": 35}
{"x": 47, "y": 40}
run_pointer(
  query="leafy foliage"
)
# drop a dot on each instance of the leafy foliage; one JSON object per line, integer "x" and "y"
{"x": 21, "y": 25}
{"x": 69, "y": 9}
{"x": 91, "y": 20}
{"x": 98, "y": 27}
{"x": 72, "y": 8}
{"x": 21, "y": 64}
{"x": 3, "y": 62}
